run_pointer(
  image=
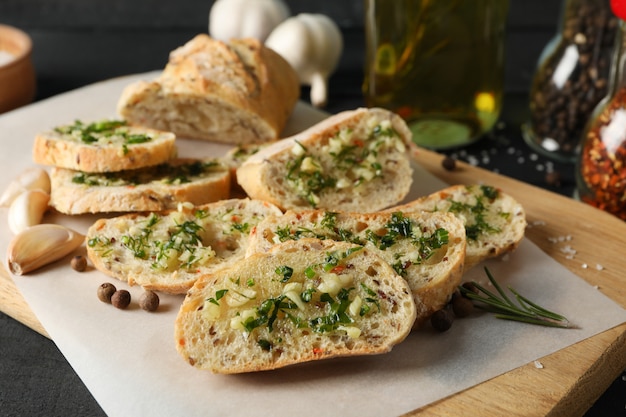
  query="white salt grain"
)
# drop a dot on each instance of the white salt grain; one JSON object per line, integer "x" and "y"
{"x": 6, "y": 57}
{"x": 599, "y": 267}
{"x": 538, "y": 365}
{"x": 584, "y": 266}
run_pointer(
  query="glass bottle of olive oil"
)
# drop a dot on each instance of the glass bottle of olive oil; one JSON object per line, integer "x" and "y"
{"x": 437, "y": 63}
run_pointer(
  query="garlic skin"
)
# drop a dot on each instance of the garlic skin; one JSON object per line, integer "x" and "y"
{"x": 41, "y": 245}
{"x": 27, "y": 210}
{"x": 312, "y": 43}
{"x": 230, "y": 19}
{"x": 31, "y": 179}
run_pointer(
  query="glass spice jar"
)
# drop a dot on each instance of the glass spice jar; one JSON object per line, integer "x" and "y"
{"x": 571, "y": 78}
{"x": 601, "y": 165}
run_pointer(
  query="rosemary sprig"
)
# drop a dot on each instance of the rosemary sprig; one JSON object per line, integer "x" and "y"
{"x": 504, "y": 308}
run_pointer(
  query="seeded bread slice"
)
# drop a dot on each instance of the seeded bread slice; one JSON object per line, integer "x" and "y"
{"x": 304, "y": 300}
{"x": 155, "y": 188}
{"x": 427, "y": 249}
{"x": 353, "y": 161}
{"x": 103, "y": 146}
{"x": 495, "y": 222}
{"x": 235, "y": 92}
{"x": 168, "y": 251}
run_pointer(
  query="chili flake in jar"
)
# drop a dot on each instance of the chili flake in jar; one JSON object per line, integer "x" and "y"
{"x": 602, "y": 165}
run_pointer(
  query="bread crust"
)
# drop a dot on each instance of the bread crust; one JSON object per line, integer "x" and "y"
{"x": 210, "y": 336}
{"x": 67, "y": 151}
{"x": 168, "y": 251}
{"x": 148, "y": 189}
{"x": 237, "y": 92}
{"x": 495, "y": 222}
{"x": 336, "y": 146}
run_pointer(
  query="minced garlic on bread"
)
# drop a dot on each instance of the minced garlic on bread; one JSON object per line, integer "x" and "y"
{"x": 161, "y": 187}
{"x": 168, "y": 251}
{"x": 303, "y": 301}
{"x": 495, "y": 222}
{"x": 426, "y": 249}
{"x": 103, "y": 146}
{"x": 356, "y": 160}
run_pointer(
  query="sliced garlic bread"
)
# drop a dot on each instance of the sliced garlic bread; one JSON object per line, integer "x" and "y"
{"x": 353, "y": 161}
{"x": 167, "y": 251}
{"x": 495, "y": 222}
{"x": 303, "y": 301}
{"x": 103, "y": 146}
{"x": 162, "y": 187}
{"x": 427, "y": 249}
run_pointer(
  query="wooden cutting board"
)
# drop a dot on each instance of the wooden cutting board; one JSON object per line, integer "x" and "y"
{"x": 571, "y": 379}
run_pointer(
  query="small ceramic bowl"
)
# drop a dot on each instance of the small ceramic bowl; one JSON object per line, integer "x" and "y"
{"x": 17, "y": 74}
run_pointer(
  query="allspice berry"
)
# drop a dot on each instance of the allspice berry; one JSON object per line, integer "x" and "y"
{"x": 448, "y": 163}
{"x": 149, "y": 301}
{"x": 442, "y": 320}
{"x": 461, "y": 306}
{"x": 106, "y": 291}
{"x": 79, "y": 263}
{"x": 120, "y": 299}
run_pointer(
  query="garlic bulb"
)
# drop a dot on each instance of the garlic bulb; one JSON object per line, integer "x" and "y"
{"x": 312, "y": 44}
{"x": 245, "y": 18}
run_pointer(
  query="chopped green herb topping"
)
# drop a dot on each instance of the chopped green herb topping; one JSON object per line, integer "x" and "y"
{"x": 166, "y": 173}
{"x": 476, "y": 223}
{"x": 105, "y": 131}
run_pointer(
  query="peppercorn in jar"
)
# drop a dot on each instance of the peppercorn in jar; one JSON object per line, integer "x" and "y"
{"x": 571, "y": 78}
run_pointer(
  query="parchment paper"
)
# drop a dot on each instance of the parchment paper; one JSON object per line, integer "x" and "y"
{"x": 128, "y": 361}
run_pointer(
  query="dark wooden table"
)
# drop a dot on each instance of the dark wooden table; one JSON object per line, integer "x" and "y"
{"x": 77, "y": 43}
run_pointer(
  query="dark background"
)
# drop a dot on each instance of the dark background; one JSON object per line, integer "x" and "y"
{"x": 78, "y": 42}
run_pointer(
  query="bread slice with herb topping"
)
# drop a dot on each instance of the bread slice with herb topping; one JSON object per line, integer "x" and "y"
{"x": 495, "y": 222}
{"x": 426, "y": 249}
{"x": 168, "y": 251}
{"x": 356, "y": 160}
{"x": 303, "y": 301}
{"x": 103, "y": 146}
{"x": 161, "y": 187}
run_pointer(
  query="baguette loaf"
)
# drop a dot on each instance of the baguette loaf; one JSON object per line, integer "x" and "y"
{"x": 427, "y": 249}
{"x": 353, "y": 161}
{"x": 303, "y": 301}
{"x": 104, "y": 146}
{"x": 168, "y": 251}
{"x": 236, "y": 92}
{"x": 495, "y": 222}
{"x": 148, "y": 189}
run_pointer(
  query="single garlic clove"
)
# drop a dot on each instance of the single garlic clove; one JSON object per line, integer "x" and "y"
{"x": 41, "y": 245}
{"x": 27, "y": 210}
{"x": 31, "y": 179}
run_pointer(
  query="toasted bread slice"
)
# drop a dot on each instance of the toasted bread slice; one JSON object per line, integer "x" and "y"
{"x": 353, "y": 161}
{"x": 168, "y": 251}
{"x": 162, "y": 187}
{"x": 427, "y": 249}
{"x": 495, "y": 222}
{"x": 103, "y": 146}
{"x": 303, "y": 301}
